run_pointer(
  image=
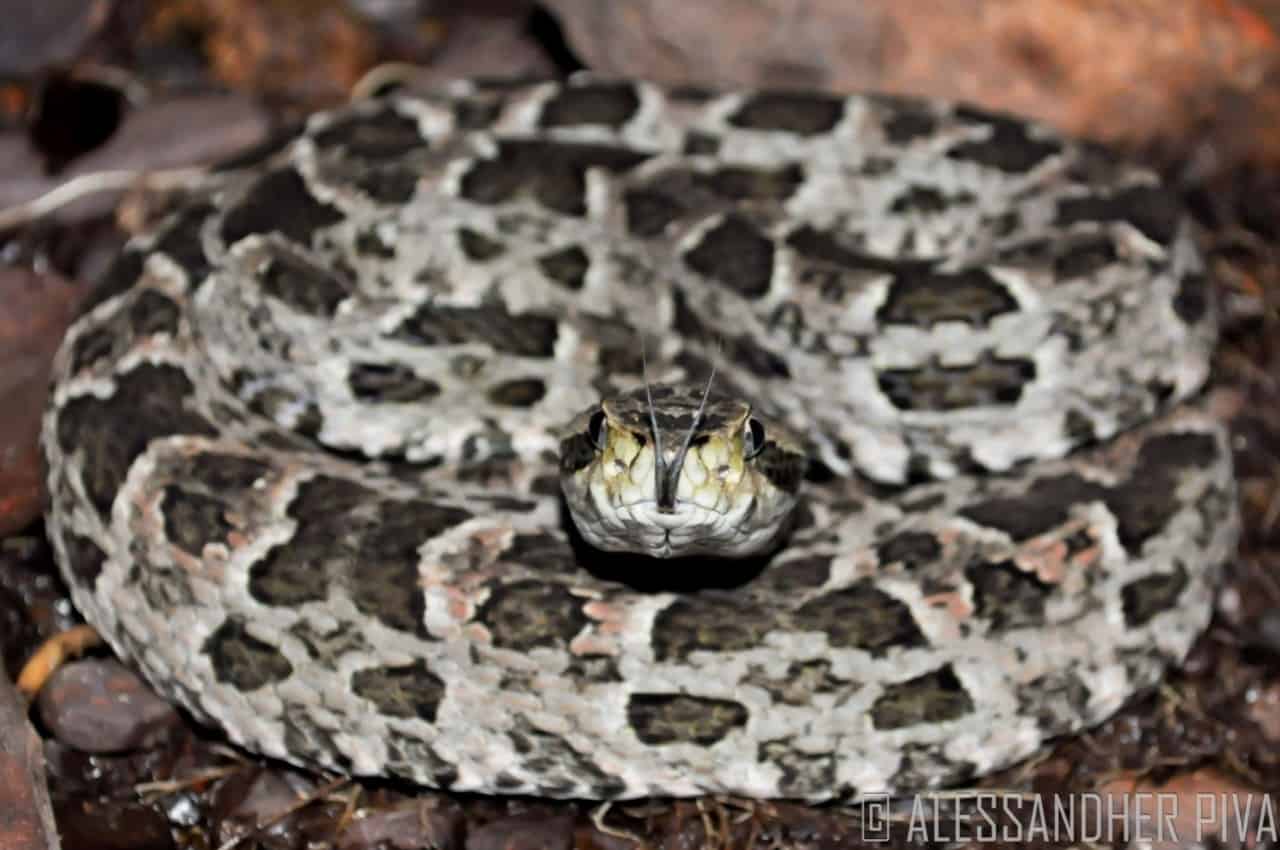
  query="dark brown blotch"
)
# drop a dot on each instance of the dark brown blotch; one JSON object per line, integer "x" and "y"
{"x": 924, "y": 200}
{"x": 913, "y": 549}
{"x": 935, "y": 697}
{"x": 1191, "y": 302}
{"x": 861, "y": 617}
{"x": 84, "y": 558}
{"x": 384, "y": 580}
{"x": 607, "y": 104}
{"x": 576, "y": 452}
{"x": 659, "y": 719}
{"x": 192, "y": 519}
{"x": 518, "y": 392}
{"x": 905, "y": 122}
{"x": 302, "y": 568}
{"x": 701, "y": 144}
{"x": 390, "y": 383}
{"x": 751, "y": 184}
{"x": 93, "y": 347}
{"x": 552, "y": 173}
{"x": 990, "y": 382}
{"x": 783, "y": 467}
{"x": 219, "y": 472}
{"x": 1007, "y": 597}
{"x": 1147, "y": 500}
{"x": 525, "y": 335}
{"x": 1009, "y": 145}
{"x": 709, "y": 622}
{"x": 924, "y": 296}
{"x": 735, "y": 255}
{"x": 649, "y": 212}
{"x": 149, "y": 402}
{"x": 1146, "y": 597}
{"x": 1044, "y": 506}
{"x": 411, "y": 690}
{"x": 1084, "y": 258}
{"x": 825, "y": 247}
{"x": 1153, "y": 210}
{"x": 279, "y": 202}
{"x": 529, "y": 614}
{"x": 150, "y": 313}
{"x": 567, "y": 267}
{"x": 304, "y": 285}
{"x": 299, "y": 571}
{"x": 243, "y": 661}
{"x": 1056, "y": 700}
{"x": 800, "y": 113}
{"x": 478, "y": 246}
{"x": 381, "y": 136}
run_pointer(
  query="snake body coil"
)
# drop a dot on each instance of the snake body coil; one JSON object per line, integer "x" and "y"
{"x": 305, "y": 449}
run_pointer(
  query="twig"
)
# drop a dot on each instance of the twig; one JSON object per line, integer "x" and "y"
{"x": 52, "y": 654}
{"x": 83, "y": 186}
{"x": 318, "y": 794}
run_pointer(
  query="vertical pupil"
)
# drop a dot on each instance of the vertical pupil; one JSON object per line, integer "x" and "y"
{"x": 755, "y": 437}
{"x": 595, "y": 428}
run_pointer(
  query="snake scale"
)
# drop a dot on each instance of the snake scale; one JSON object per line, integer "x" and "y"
{"x": 309, "y": 446}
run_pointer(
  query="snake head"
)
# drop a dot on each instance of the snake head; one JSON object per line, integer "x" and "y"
{"x": 670, "y": 471}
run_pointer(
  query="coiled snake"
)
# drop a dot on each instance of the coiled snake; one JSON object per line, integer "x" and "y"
{"x": 307, "y": 447}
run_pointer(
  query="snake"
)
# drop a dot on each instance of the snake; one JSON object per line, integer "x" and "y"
{"x": 599, "y": 439}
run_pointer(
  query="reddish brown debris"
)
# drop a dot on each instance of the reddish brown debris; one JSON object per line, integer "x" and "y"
{"x": 1200, "y": 806}
{"x": 521, "y": 832}
{"x": 1089, "y": 68}
{"x": 312, "y": 52}
{"x": 427, "y": 821}
{"x": 26, "y": 820}
{"x": 112, "y": 825}
{"x": 34, "y": 312}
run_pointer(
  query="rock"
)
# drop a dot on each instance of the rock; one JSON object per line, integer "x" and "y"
{"x": 51, "y": 32}
{"x": 26, "y": 819}
{"x": 100, "y": 706}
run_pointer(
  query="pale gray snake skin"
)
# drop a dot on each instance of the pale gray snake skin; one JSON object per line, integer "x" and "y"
{"x": 302, "y": 447}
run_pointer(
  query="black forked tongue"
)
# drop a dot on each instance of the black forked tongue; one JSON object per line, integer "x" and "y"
{"x": 666, "y": 478}
{"x": 666, "y": 474}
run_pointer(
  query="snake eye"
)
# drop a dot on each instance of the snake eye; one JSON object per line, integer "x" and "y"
{"x": 597, "y": 430}
{"x": 753, "y": 438}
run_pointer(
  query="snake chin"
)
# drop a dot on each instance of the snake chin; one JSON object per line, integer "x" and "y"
{"x": 687, "y": 529}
